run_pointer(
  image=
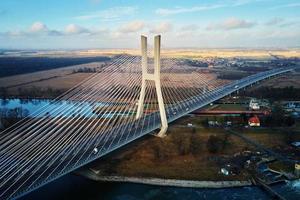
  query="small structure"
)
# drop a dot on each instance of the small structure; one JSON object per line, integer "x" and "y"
{"x": 224, "y": 171}
{"x": 253, "y": 105}
{"x": 190, "y": 125}
{"x": 291, "y": 106}
{"x": 297, "y": 169}
{"x": 228, "y": 123}
{"x": 296, "y": 144}
{"x": 254, "y": 121}
{"x": 213, "y": 123}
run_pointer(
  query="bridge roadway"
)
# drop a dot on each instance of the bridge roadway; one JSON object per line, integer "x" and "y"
{"x": 120, "y": 136}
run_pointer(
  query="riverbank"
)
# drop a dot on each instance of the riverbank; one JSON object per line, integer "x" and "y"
{"x": 93, "y": 175}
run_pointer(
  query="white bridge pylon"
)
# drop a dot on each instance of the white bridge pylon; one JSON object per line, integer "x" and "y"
{"x": 152, "y": 77}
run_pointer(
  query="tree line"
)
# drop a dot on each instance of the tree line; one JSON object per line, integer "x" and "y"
{"x": 188, "y": 143}
{"x": 32, "y": 92}
{"x": 274, "y": 94}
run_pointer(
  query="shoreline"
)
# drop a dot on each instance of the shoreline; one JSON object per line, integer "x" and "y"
{"x": 94, "y": 175}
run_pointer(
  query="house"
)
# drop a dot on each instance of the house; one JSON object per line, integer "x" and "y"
{"x": 190, "y": 125}
{"x": 254, "y": 121}
{"x": 253, "y": 105}
{"x": 297, "y": 169}
{"x": 213, "y": 123}
{"x": 296, "y": 144}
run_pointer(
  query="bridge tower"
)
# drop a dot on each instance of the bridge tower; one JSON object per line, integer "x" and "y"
{"x": 152, "y": 77}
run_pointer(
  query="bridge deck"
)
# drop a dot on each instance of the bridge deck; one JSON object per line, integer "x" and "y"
{"x": 44, "y": 167}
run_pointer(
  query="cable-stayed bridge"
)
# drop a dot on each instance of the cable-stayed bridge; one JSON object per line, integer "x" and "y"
{"x": 125, "y": 100}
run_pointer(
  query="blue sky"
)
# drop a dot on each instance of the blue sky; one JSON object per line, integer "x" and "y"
{"x": 76, "y": 24}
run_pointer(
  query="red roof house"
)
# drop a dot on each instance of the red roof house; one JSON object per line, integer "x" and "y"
{"x": 254, "y": 121}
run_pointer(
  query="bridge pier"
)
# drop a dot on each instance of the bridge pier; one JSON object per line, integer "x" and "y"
{"x": 152, "y": 77}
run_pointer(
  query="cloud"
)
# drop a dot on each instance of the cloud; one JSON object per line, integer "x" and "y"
{"x": 290, "y": 5}
{"x": 274, "y": 21}
{"x": 199, "y": 8}
{"x": 281, "y": 22}
{"x": 291, "y": 23}
{"x": 190, "y": 27}
{"x": 230, "y": 24}
{"x": 179, "y": 10}
{"x": 38, "y": 27}
{"x": 132, "y": 27}
{"x": 162, "y": 27}
{"x": 75, "y": 29}
{"x": 111, "y": 14}
{"x": 14, "y": 33}
{"x": 245, "y": 2}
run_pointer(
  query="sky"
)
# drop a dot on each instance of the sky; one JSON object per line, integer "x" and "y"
{"x": 96, "y": 24}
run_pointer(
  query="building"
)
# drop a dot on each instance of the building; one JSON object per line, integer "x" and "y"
{"x": 297, "y": 169}
{"x": 254, "y": 105}
{"x": 254, "y": 121}
{"x": 291, "y": 106}
{"x": 296, "y": 144}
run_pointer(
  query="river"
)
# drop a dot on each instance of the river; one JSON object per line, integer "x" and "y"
{"x": 75, "y": 187}
{"x": 45, "y": 107}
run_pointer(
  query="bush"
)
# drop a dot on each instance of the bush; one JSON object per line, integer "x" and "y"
{"x": 196, "y": 144}
{"x": 217, "y": 143}
{"x": 278, "y": 118}
{"x": 274, "y": 94}
{"x": 214, "y": 144}
{"x": 161, "y": 150}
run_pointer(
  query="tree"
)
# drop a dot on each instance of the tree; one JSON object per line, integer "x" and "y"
{"x": 194, "y": 130}
{"x": 226, "y": 140}
{"x": 181, "y": 142}
{"x": 196, "y": 144}
{"x": 3, "y": 93}
{"x": 289, "y": 121}
{"x": 278, "y": 115}
{"x": 161, "y": 150}
{"x": 214, "y": 144}
{"x": 289, "y": 137}
{"x": 184, "y": 148}
{"x": 205, "y": 123}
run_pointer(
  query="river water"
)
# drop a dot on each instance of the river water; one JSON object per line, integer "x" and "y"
{"x": 75, "y": 187}
{"x": 45, "y": 107}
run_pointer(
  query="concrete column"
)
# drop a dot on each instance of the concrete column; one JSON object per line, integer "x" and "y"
{"x": 163, "y": 116}
{"x": 140, "y": 109}
{"x": 152, "y": 77}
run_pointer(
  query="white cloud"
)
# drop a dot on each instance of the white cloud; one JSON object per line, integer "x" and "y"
{"x": 114, "y": 13}
{"x": 290, "y": 5}
{"x": 274, "y": 21}
{"x": 38, "y": 27}
{"x": 75, "y": 29}
{"x": 14, "y": 33}
{"x": 244, "y": 2}
{"x": 162, "y": 27}
{"x": 178, "y": 10}
{"x": 230, "y": 24}
{"x": 199, "y": 8}
{"x": 132, "y": 27}
{"x": 190, "y": 27}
